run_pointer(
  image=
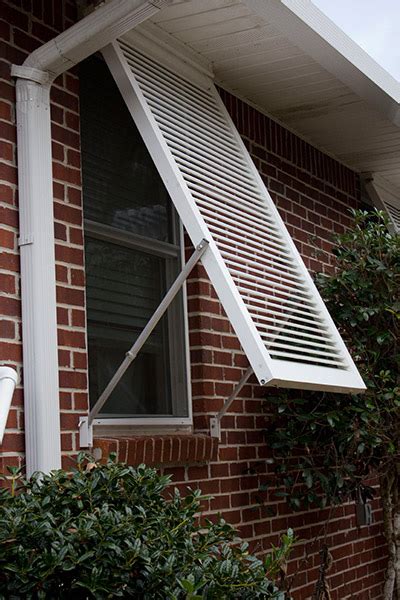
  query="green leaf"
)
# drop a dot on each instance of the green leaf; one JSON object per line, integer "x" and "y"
{"x": 112, "y": 531}
{"x": 308, "y": 478}
{"x": 330, "y": 420}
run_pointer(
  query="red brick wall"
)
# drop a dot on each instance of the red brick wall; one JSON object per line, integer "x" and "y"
{"x": 313, "y": 193}
{"x": 25, "y": 25}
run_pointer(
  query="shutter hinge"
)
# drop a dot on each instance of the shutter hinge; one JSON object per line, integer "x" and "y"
{"x": 85, "y": 433}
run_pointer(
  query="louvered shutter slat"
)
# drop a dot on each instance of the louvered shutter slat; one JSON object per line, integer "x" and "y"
{"x": 289, "y": 332}
{"x": 194, "y": 148}
{"x": 255, "y": 268}
{"x": 251, "y": 237}
{"x": 394, "y": 212}
{"x": 258, "y": 265}
{"x": 387, "y": 200}
{"x": 276, "y": 264}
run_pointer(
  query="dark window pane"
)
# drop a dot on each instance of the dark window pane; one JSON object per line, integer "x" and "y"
{"x": 121, "y": 185}
{"x": 124, "y": 287}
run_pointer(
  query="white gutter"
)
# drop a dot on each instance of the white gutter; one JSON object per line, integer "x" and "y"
{"x": 38, "y": 281}
{"x": 8, "y": 381}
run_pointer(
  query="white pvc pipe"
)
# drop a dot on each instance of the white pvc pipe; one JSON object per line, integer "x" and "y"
{"x": 8, "y": 381}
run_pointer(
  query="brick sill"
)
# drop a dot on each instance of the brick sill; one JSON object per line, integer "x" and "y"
{"x": 156, "y": 451}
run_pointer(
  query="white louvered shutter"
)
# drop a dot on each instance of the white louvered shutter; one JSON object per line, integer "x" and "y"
{"x": 386, "y": 200}
{"x": 263, "y": 285}
{"x": 394, "y": 214}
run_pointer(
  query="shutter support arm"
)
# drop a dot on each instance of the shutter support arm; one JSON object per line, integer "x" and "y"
{"x": 215, "y": 422}
{"x": 86, "y": 423}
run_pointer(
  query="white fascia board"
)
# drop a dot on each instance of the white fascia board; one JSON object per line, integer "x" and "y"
{"x": 311, "y": 30}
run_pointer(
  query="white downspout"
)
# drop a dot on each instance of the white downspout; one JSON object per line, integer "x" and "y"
{"x": 38, "y": 281}
{"x": 38, "y": 292}
{"x": 8, "y": 381}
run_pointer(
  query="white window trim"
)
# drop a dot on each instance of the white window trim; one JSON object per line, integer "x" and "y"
{"x": 152, "y": 423}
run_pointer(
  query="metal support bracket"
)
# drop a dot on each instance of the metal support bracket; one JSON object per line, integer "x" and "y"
{"x": 25, "y": 240}
{"x": 86, "y": 423}
{"x": 215, "y": 422}
{"x": 85, "y": 433}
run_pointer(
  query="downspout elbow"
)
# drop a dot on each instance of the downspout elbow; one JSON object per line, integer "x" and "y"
{"x": 107, "y": 22}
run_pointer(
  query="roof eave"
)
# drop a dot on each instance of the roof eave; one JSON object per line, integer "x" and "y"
{"x": 312, "y": 31}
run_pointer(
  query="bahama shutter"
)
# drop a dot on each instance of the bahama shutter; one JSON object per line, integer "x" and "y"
{"x": 267, "y": 293}
{"x": 386, "y": 200}
{"x": 393, "y": 210}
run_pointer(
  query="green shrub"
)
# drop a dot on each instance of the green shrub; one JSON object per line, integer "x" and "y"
{"x": 327, "y": 446}
{"x": 108, "y": 531}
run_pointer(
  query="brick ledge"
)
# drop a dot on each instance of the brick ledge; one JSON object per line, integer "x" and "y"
{"x": 157, "y": 451}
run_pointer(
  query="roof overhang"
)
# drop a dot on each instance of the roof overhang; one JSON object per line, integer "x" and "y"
{"x": 289, "y": 60}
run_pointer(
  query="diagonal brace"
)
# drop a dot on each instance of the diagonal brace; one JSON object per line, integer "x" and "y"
{"x": 85, "y": 423}
{"x": 215, "y": 422}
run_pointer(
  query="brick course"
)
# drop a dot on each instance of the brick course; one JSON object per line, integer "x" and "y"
{"x": 313, "y": 193}
{"x": 23, "y": 27}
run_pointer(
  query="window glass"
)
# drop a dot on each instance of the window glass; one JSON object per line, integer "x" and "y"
{"x": 128, "y": 271}
{"x": 122, "y": 186}
{"x": 124, "y": 288}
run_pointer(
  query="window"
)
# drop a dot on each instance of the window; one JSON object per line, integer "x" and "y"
{"x": 133, "y": 253}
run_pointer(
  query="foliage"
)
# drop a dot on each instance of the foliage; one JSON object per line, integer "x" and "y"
{"x": 275, "y": 562}
{"x": 327, "y": 445}
{"x": 109, "y": 531}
